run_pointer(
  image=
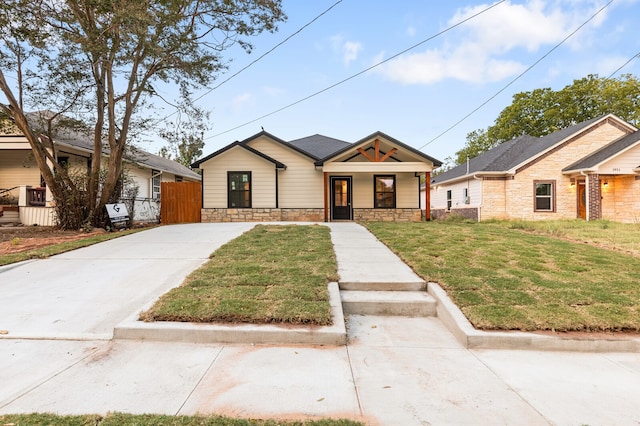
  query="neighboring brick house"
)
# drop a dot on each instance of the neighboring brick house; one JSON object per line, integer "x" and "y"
{"x": 316, "y": 178}
{"x": 589, "y": 171}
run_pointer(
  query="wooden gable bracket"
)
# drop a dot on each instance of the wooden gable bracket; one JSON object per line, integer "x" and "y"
{"x": 377, "y": 158}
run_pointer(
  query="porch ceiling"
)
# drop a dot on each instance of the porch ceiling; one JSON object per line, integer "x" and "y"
{"x": 367, "y": 167}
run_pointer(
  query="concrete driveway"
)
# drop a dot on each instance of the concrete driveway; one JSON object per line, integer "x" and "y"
{"x": 85, "y": 293}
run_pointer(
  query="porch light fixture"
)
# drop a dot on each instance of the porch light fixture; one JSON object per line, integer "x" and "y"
{"x": 573, "y": 181}
{"x": 606, "y": 184}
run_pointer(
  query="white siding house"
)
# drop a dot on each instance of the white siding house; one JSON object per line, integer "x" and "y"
{"x": 20, "y": 178}
{"x": 316, "y": 178}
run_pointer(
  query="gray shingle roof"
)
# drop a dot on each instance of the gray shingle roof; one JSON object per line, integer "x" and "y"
{"x": 319, "y": 146}
{"x": 83, "y": 140}
{"x": 508, "y": 155}
{"x": 606, "y": 152}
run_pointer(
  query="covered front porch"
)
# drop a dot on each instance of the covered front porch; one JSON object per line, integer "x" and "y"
{"x": 378, "y": 179}
{"x": 614, "y": 197}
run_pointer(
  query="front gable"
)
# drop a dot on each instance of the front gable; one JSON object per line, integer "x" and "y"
{"x": 581, "y": 143}
{"x": 378, "y": 153}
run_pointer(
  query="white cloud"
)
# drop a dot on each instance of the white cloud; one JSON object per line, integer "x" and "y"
{"x": 242, "y": 100}
{"x": 349, "y": 50}
{"x": 483, "y": 49}
{"x": 273, "y": 91}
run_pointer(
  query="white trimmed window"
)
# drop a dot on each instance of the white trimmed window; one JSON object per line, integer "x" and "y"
{"x": 545, "y": 194}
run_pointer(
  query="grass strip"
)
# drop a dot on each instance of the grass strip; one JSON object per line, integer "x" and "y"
{"x": 120, "y": 419}
{"x": 270, "y": 274}
{"x": 504, "y": 277}
{"x": 44, "y": 252}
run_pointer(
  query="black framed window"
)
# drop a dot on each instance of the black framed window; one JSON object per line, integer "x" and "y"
{"x": 385, "y": 192}
{"x": 449, "y": 199}
{"x": 239, "y": 184}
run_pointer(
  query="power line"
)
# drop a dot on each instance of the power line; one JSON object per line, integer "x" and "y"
{"x": 269, "y": 51}
{"x": 637, "y": 55}
{"x": 359, "y": 73}
{"x": 519, "y": 75}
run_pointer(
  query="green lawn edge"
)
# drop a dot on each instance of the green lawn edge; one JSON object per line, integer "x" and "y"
{"x": 271, "y": 274}
{"x": 506, "y": 276}
{"x": 121, "y": 419}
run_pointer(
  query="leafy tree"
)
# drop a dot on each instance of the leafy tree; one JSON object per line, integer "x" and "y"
{"x": 185, "y": 137}
{"x": 97, "y": 62}
{"x": 544, "y": 111}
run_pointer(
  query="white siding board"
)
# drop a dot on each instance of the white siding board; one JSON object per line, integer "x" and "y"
{"x": 407, "y": 191}
{"x": 622, "y": 164}
{"x": 439, "y": 194}
{"x": 300, "y": 185}
{"x": 362, "y": 187}
{"x": 238, "y": 159}
{"x": 17, "y": 167}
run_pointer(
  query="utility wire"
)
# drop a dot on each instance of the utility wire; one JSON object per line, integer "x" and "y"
{"x": 269, "y": 51}
{"x": 519, "y": 75}
{"x": 359, "y": 73}
{"x": 637, "y": 55}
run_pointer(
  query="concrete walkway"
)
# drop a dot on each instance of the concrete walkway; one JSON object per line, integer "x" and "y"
{"x": 394, "y": 370}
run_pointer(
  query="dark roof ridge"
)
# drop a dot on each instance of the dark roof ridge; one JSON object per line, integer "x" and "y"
{"x": 242, "y": 144}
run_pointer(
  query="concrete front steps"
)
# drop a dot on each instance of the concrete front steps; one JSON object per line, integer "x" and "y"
{"x": 389, "y": 299}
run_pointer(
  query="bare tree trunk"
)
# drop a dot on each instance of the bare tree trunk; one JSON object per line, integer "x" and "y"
{"x": 38, "y": 147}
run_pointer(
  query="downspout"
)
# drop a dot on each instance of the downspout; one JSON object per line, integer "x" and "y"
{"x": 277, "y": 194}
{"x": 475, "y": 177}
{"x": 326, "y": 196}
{"x": 480, "y": 178}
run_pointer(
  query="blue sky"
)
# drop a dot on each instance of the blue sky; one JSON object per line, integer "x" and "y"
{"x": 420, "y": 94}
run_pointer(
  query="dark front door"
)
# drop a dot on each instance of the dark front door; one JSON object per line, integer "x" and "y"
{"x": 341, "y": 198}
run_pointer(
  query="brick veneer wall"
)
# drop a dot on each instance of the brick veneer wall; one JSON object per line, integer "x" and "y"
{"x": 594, "y": 197}
{"x": 467, "y": 213}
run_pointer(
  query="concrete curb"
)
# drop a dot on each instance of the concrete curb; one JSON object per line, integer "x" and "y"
{"x": 461, "y": 328}
{"x": 334, "y": 335}
{"x": 58, "y": 336}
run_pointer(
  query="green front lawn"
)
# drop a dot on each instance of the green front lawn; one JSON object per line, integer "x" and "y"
{"x": 513, "y": 275}
{"x": 271, "y": 274}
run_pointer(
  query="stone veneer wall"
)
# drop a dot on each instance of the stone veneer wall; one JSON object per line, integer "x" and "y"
{"x": 262, "y": 215}
{"x": 387, "y": 215}
{"x": 467, "y": 213}
{"x": 621, "y": 198}
{"x": 307, "y": 215}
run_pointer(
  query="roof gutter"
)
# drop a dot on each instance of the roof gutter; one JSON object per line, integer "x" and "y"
{"x": 477, "y": 175}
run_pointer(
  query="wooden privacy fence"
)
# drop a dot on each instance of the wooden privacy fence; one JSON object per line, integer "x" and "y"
{"x": 180, "y": 202}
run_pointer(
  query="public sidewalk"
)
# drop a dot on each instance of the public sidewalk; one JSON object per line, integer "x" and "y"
{"x": 393, "y": 371}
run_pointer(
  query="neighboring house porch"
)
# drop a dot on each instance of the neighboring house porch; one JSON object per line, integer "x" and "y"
{"x": 25, "y": 199}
